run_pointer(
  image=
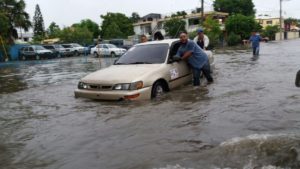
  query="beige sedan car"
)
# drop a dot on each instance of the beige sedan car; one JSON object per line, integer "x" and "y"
{"x": 145, "y": 71}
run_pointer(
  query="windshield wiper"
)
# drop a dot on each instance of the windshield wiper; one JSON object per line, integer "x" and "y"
{"x": 140, "y": 63}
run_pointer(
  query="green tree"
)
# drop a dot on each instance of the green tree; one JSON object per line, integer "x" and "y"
{"x": 76, "y": 35}
{"x": 116, "y": 25}
{"x": 135, "y": 17}
{"x": 13, "y": 14}
{"x": 38, "y": 24}
{"x": 53, "y": 30}
{"x": 270, "y": 31}
{"x": 179, "y": 13}
{"x": 244, "y": 7}
{"x": 212, "y": 30}
{"x": 90, "y": 25}
{"x": 174, "y": 25}
{"x": 241, "y": 25}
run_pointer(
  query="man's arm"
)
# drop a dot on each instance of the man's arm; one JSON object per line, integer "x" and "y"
{"x": 186, "y": 55}
{"x": 206, "y": 41}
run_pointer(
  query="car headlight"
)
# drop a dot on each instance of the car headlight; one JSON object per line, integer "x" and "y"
{"x": 82, "y": 85}
{"x": 129, "y": 86}
{"x": 124, "y": 86}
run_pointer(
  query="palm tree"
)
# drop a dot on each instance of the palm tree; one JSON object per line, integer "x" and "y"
{"x": 18, "y": 17}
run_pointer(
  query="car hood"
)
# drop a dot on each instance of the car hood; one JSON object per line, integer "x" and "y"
{"x": 120, "y": 74}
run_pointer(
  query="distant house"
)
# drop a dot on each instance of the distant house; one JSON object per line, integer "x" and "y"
{"x": 265, "y": 21}
{"x": 25, "y": 36}
{"x": 151, "y": 23}
{"x": 146, "y": 24}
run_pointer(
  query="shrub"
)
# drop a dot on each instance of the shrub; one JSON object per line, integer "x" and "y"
{"x": 233, "y": 39}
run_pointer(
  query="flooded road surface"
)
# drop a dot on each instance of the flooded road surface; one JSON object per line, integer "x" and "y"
{"x": 249, "y": 118}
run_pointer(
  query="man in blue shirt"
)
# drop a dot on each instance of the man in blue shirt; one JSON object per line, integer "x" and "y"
{"x": 196, "y": 58}
{"x": 255, "y": 40}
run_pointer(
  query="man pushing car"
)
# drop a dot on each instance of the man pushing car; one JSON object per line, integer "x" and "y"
{"x": 196, "y": 57}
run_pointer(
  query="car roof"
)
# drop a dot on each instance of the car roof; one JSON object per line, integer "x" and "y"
{"x": 166, "y": 41}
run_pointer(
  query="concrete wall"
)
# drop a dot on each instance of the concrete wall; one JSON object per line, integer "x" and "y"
{"x": 289, "y": 35}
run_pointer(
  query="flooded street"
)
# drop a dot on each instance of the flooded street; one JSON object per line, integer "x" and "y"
{"x": 249, "y": 118}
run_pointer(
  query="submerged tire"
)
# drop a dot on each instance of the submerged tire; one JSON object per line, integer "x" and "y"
{"x": 297, "y": 82}
{"x": 113, "y": 54}
{"x": 158, "y": 89}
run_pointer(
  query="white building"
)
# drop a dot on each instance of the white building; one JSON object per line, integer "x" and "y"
{"x": 151, "y": 23}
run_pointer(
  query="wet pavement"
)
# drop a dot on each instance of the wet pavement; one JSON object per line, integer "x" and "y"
{"x": 249, "y": 118}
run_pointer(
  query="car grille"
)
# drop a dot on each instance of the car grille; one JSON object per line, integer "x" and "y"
{"x": 99, "y": 87}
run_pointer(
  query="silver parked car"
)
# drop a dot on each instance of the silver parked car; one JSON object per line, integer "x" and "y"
{"x": 107, "y": 50}
{"x": 145, "y": 71}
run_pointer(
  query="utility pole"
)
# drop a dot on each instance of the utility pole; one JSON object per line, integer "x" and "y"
{"x": 280, "y": 22}
{"x": 280, "y": 19}
{"x": 202, "y": 11}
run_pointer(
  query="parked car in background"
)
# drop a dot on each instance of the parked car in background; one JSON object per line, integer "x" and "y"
{"x": 68, "y": 48}
{"x": 87, "y": 50}
{"x": 107, "y": 50}
{"x": 59, "y": 50}
{"x": 35, "y": 52}
{"x": 121, "y": 43}
{"x": 145, "y": 71}
{"x": 75, "y": 48}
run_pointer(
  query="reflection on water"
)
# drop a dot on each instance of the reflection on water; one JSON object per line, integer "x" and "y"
{"x": 249, "y": 118}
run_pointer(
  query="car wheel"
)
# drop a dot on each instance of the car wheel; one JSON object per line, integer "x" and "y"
{"x": 297, "y": 82}
{"x": 76, "y": 53}
{"x": 113, "y": 54}
{"x": 157, "y": 90}
{"x": 95, "y": 54}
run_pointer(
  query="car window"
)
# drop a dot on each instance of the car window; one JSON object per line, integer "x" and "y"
{"x": 105, "y": 46}
{"x": 111, "y": 46}
{"x": 49, "y": 47}
{"x": 39, "y": 48}
{"x": 145, "y": 54}
{"x": 23, "y": 49}
{"x": 59, "y": 46}
{"x": 174, "y": 48}
{"x": 76, "y": 45}
{"x": 30, "y": 49}
{"x": 67, "y": 46}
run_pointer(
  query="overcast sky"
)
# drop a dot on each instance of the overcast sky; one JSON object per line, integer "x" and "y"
{"x": 67, "y": 12}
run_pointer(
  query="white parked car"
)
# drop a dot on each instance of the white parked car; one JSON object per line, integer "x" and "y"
{"x": 107, "y": 50}
{"x": 145, "y": 71}
{"x": 75, "y": 48}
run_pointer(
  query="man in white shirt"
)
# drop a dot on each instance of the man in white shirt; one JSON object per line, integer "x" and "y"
{"x": 202, "y": 40}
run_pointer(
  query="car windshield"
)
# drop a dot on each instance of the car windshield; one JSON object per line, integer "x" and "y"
{"x": 76, "y": 45}
{"x": 39, "y": 48}
{"x": 111, "y": 46}
{"x": 59, "y": 46}
{"x": 67, "y": 46}
{"x": 145, "y": 54}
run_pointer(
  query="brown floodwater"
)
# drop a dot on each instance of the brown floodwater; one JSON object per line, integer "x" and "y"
{"x": 249, "y": 118}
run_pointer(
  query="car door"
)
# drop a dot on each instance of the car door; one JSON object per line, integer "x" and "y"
{"x": 180, "y": 72}
{"x": 99, "y": 50}
{"x": 106, "y": 51}
{"x": 31, "y": 52}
